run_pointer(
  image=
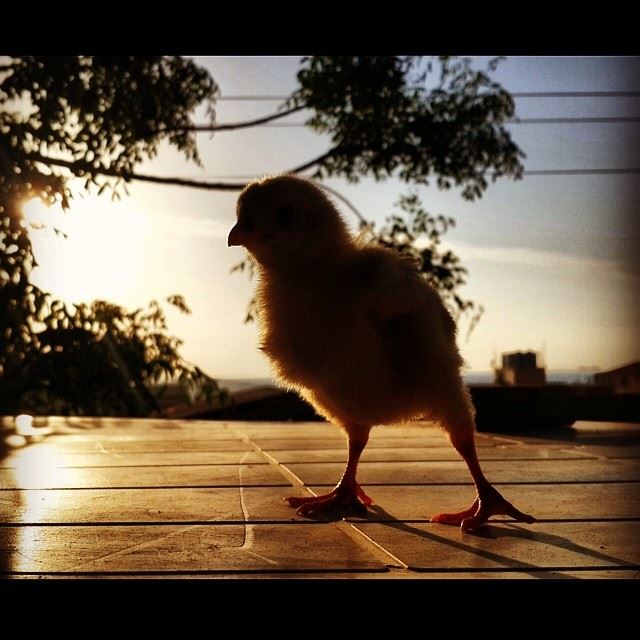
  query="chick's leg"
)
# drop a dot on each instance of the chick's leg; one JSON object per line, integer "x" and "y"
{"x": 489, "y": 502}
{"x": 348, "y": 494}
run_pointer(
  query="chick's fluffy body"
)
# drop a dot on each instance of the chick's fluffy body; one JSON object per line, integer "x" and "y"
{"x": 353, "y": 328}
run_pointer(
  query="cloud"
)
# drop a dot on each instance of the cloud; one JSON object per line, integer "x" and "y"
{"x": 189, "y": 226}
{"x": 540, "y": 259}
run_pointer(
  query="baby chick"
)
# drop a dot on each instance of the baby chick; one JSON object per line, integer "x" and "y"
{"x": 358, "y": 333}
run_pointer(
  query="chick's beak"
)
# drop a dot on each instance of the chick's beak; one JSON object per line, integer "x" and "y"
{"x": 236, "y": 237}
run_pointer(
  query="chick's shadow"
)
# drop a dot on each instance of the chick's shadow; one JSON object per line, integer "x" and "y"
{"x": 495, "y": 531}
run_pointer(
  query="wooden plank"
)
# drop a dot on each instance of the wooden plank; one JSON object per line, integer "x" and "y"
{"x": 139, "y": 459}
{"x": 135, "y": 436}
{"x": 221, "y": 504}
{"x": 561, "y": 546}
{"x": 168, "y": 548}
{"x": 576, "y": 502}
{"x": 286, "y": 430}
{"x": 79, "y": 424}
{"x": 84, "y": 506}
{"x": 408, "y": 574}
{"x": 149, "y": 446}
{"x": 392, "y": 574}
{"x": 317, "y": 547}
{"x": 328, "y": 429}
{"x": 424, "y": 454}
{"x": 555, "y": 502}
{"x": 608, "y": 451}
{"x": 437, "y": 472}
{"x": 529, "y": 574}
{"x": 306, "y": 444}
{"x": 50, "y": 477}
{"x": 143, "y": 428}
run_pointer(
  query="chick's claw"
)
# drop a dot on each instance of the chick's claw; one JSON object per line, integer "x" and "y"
{"x": 456, "y": 519}
{"x": 332, "y": 504}
{"x": 364, "y": 498}
{"x": 488, "y": 503}
{"x": 339, "y": 500}
{"x": 295, "y": 501}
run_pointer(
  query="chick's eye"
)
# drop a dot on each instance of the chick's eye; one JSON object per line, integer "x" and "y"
{"x": 247, "y": 223}
{"x": 285, "y": 217}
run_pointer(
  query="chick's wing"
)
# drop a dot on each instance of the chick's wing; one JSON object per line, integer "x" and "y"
{"x": 407, "y": 315}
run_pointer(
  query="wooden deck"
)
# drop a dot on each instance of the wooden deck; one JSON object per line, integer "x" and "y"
{"x": 153, "y": 498}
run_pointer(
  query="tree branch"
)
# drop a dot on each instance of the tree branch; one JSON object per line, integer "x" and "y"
{"x": 80, "y": 168}
{"x": 85, "y": 167}
{"x": 231, "y": 126}
{"x": 311, "y": 163}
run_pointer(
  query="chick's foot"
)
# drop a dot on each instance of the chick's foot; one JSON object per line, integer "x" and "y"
{"x": 344, "y": 497}
{"x": 489, "y": 502}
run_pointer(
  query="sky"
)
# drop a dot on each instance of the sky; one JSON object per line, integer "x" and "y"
{"x": 553, "y": 259}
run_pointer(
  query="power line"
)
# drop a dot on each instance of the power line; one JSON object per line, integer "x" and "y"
{"x": 515, "y": 94}
{"x": 576, "y": 172}
{"x": 568, "y": 120}
{"x": 527, "y": 172}
{"x": 588, "y": 119}
{"x": 576, "y": 94}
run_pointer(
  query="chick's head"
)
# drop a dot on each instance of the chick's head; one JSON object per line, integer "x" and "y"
{"x": 287, "y": 221}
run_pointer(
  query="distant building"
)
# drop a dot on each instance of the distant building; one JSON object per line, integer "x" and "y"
{"x": 623, "y": 379}
{"x": 520, "y": 367}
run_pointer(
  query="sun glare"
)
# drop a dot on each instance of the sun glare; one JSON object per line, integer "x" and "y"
{"x": 35, "y": 471}
{"x": 94, "y": 250}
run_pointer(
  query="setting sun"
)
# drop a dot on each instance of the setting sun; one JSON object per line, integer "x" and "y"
{"x": 94, "y": 250}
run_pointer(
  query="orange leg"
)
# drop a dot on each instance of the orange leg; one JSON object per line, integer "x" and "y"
{"x": 347, "y": 495}
{"x": 489, "y": 502}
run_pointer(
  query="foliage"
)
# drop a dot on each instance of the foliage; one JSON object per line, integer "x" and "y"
{"x": 99, "y": 114}
{"x": 100, "y": 359}
{"x": 102, "y": 113}
{"x": 384, "y": 120}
